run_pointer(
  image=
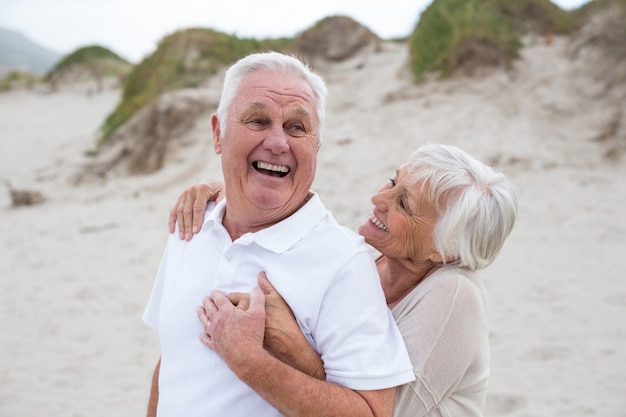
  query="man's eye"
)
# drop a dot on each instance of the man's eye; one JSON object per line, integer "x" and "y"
{"x": 256, "y": 123}
{"x": 297, "y": 130}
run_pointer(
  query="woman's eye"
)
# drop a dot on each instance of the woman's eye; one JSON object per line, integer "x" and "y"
{"x": 393, "y": 182}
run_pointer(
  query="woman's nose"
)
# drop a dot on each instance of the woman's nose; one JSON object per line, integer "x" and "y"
{"x": 379, "y": 201}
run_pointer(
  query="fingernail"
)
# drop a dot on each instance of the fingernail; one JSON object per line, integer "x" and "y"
{"x": 195, "y": 229}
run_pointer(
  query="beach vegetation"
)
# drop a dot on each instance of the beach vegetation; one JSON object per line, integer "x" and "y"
{"x": 183, "y": 59}
{"x": 334, "y": 38}
{"x": 18, "y": 79}
{"x": 89, "y": 62}
{"x": 464, "y": 35}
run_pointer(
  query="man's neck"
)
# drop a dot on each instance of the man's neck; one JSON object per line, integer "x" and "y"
{"x": 238, "y": 224}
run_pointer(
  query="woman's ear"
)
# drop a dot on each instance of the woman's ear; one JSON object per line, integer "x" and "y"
{"x": 217, "y": 134}
{"x": 435, "y": 257}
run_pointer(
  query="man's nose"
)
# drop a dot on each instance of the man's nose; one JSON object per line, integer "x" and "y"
{"x": 276, "y": 140}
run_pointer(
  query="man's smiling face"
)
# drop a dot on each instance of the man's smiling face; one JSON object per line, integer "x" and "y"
{"x": 269, "y": 152}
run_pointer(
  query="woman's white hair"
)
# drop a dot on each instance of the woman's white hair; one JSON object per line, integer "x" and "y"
{"x": 476, "y": 205}
{"x": 277, "y": 63}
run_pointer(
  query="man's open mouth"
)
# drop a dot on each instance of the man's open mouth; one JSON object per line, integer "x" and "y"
{"x": 270, "y": 169}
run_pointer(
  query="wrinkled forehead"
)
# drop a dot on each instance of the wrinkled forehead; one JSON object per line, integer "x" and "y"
{"x": 280, "y": 87}
{"x": 404, "y": 172}
{"x": 417, "y": 186}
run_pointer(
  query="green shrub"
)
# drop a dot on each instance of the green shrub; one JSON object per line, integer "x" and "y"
{"x": 183, "y": 59}
{"x": 465, "y": 34}
{"x": 87, "y": 55}
{"x": 537, "y": 16}
{"x": 14, "y": 79}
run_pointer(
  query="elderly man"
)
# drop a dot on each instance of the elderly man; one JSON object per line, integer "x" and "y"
{"x": 268, "y": 129}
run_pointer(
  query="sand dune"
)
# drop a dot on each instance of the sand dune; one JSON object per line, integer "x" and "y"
{"x": 76, "y": 271}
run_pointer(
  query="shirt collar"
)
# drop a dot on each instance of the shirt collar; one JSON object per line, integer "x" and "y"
{"x": 283, "y": 235}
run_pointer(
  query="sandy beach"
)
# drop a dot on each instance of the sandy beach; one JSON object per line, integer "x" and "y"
{"x": 76, "y": 270}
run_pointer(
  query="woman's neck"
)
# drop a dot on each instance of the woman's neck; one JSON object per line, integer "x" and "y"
{"x": 399, "y": 277}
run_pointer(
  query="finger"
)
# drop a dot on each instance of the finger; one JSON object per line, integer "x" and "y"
{"x": 219, "y": 196}
{"x": 180, "y": 207}
{"x": 206, "y": 340}
{"x": 187, "y": 213}
{"x": 175, "y": 215}
{"x": 202, "y": 198}
{"x": 216, "y": 189}
{"x": 209, "y": 307}
{"x": 171, "y": 222}
{"x": 265, "y": 283}
{"x": 219, "y": 301}
{"x": 257, "y": 301}
{"x": 204, "y": 319}
{"x": 239, "y": 300}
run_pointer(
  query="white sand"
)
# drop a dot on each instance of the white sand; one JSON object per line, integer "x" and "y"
{"x": 76, "y": 271}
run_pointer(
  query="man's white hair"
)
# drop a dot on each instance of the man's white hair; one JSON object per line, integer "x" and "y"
{"x": 277, "y": 63}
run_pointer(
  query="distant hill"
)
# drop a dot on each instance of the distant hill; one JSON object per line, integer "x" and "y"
{"x": 17, "y": 52}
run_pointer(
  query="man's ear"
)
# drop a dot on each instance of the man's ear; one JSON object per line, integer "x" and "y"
{"x": 217, "y": 134}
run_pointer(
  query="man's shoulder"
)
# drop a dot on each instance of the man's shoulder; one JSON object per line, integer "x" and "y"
{"x": 333, "y": 232}
{"x": 325, "y": 229}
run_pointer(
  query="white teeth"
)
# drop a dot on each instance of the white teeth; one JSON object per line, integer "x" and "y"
{"x": 378, "y": 223}
{"x": 270, "y": 167}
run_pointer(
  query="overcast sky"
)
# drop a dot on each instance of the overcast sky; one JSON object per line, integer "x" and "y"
{"x": 132, "y": 28}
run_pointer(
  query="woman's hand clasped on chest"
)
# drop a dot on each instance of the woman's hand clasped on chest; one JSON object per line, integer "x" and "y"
{"x": 283, "y": 337}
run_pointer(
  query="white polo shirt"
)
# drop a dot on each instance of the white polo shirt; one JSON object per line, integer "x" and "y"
{"x": 325, "y": 273}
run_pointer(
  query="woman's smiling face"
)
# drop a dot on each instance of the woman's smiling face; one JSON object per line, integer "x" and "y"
{"x": 402, "y": 222}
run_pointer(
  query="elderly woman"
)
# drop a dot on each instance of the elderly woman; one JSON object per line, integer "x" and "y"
{"x": 443, "y": 216}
